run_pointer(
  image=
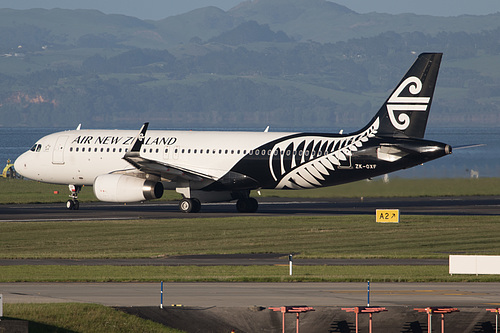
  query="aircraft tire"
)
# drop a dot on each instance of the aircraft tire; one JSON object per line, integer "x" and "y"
{"x": 196, "y": 205}
{"x": 73, "y": 204}
{"x": 247, "y": 205}
{"x": 254, "y": 205}
{"x": 187, "y": 205}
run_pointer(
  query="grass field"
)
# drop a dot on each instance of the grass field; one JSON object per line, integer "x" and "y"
{"x": 353, "y": 236}
{"x": 307, "y": 237}
{"x": 73, "y": 317}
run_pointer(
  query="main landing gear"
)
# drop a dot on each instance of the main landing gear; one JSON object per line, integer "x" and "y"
{"x": 73, "y": 203}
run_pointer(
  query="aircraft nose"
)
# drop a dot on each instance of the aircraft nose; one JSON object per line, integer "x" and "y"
{"x": 20, "y": 164}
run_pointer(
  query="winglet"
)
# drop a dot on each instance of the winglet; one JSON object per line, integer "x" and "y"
{"x": 139, "y": 139}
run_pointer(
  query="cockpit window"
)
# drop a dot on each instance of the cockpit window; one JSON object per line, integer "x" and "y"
{"x": 36, "y": 147}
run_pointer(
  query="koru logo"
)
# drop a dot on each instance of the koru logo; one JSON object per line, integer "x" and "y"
{"x": 406, "y": 104}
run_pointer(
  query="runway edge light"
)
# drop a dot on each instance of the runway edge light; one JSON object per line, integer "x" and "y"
{"x": 387, "y": 216}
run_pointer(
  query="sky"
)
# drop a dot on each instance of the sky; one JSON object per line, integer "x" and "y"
{"x": 159, "y": 9}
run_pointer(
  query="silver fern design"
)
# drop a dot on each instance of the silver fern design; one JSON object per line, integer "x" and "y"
{"x": 306, "y": 161}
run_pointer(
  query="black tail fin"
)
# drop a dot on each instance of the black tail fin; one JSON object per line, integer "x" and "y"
{"x": 405, "y": 112}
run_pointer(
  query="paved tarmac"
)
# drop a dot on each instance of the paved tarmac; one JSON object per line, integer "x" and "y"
{"x": 477, "y": 205}
{"x": 218, "y": 294}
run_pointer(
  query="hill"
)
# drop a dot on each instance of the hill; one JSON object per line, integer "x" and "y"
{"x": 284, "y": 63}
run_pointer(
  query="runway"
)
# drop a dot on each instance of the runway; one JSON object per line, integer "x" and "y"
{"x": 477, "y": 205}
{"x": 203, "y": 294}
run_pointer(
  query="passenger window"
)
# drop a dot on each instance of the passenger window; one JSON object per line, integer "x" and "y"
{"x": 157, "y": 150}
{"x": 208, "y": 151}
{"x": 114, "y": 150}
{"x": 120, "y": 150}
{"x": 83, "y": 149}
{"x": 107, "y": 150}
{"x": 76, "y": 149}
{"x": 70, "y": 148}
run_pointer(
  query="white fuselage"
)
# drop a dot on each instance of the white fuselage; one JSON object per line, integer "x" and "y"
{"x": 79, "y": 156}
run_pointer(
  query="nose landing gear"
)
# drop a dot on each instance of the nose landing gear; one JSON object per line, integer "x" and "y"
{"x": 73, "y": 204}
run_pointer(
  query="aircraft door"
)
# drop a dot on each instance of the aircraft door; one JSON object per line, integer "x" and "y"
{"x": 58, "y": 153}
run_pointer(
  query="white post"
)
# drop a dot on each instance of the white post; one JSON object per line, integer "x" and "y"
{"x": 1, "y": 306}
{"x": 290, "y": 260}
{"x": 496, "y": 320}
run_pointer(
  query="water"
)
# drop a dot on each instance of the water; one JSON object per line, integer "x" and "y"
{"x": 485, "y": 160}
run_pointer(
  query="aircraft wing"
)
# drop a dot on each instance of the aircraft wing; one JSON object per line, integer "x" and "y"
{"x": 165, "y": 170}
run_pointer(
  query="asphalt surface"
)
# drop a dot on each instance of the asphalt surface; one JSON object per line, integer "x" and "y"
{"x": 220, "y": 294}
{"x": 478, "y": 205}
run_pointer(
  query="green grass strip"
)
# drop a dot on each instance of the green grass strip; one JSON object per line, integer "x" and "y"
{"x": 352, "y": 236}
{"x": 404, "y": 273}
{"x": 72, "y": 317}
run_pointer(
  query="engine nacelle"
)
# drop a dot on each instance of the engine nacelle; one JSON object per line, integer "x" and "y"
{"x": 123, "y": 188}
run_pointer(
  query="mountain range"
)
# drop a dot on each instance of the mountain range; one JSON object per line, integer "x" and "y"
{"x": 286, "y": 63}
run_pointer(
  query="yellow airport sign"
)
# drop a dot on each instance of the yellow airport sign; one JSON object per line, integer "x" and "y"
{"x": 387, "y": 215}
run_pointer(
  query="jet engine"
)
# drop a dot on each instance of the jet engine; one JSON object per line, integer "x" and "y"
{"x": 123, "y": 188}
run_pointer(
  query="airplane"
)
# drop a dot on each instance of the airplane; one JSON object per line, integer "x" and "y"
{"x": 220, "y": 166}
